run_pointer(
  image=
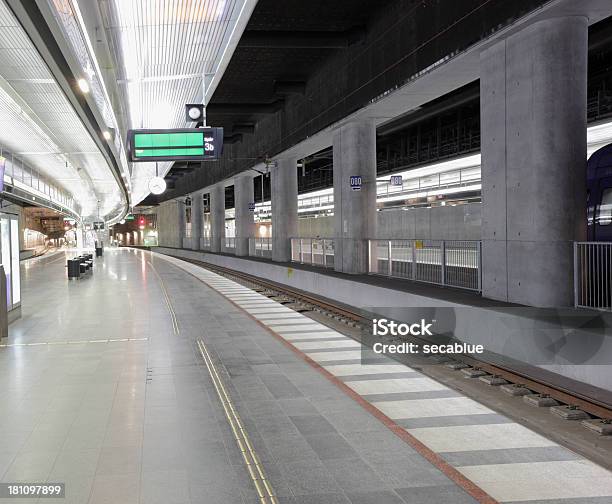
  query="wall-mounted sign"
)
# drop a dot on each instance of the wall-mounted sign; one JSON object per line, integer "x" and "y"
{"x": 251, "y": 207}
{"x": 356, "y": 182}
{"x": 201, "y": 144}
{"x": 396, "y": 180}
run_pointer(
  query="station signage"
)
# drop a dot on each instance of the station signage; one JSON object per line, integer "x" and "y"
{"x": 356, "y": 182}
{"x": 98, "y": 226}
{"x": 251, "y": 207}
{"x": 396, "y": 180}
{"x": 183, "y": 144}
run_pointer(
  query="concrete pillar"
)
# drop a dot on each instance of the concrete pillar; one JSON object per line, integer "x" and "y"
{"x": 217, "y": 218}
{"x": 354, "y": 210}
{"x": 533, "y": 108}
{"x": 180, "y": 204}
{"x": 196, "y": 220}
{"x": 244, "y": 195}
{"x": 284, "y": 208}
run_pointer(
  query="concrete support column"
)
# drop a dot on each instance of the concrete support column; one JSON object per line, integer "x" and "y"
{"x": 244, "y": 195}
{"x": 217, "y": 218}
{"x": 533, "y": 108}
{"x": 284, "y": 208}
{"x": 196, "y": 220}
{"x": 354, "y": 210}
{"x": 180, "y": 204}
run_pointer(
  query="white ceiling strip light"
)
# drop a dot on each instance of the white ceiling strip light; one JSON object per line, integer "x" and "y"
{"x": 163, "y": 49}
{"x": 36, "y": 117}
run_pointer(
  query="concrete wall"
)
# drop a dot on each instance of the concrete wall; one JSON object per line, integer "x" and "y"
{"x": 584, "y": 355}
{"x": 460, "y": 222}
{"x": 168, "y": 218}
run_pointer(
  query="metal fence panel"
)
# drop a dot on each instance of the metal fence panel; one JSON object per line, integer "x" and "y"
{"x": 593, "y": 275}
{"x": 260, "y": 247}
{"x": 313, "y": 251}
{"x": 441, "y": 262}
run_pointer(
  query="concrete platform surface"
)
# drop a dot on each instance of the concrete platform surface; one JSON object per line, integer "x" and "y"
{"x": 102, "y": 387}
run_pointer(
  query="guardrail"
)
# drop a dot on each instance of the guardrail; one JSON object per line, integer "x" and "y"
{"x": 593, "y": 275}
{"x": 230, "y": 243}
{"x": 260, "y": 247}
{"x": 441, "y": 262}
{"x": 313, "y": 251}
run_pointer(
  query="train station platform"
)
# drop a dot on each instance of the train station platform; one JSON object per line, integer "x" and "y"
{"x": 562, "y": 346}
{"x": 156, "y": 381}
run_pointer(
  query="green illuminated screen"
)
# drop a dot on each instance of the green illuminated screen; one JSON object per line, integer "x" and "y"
{"x": 171, "y": 145}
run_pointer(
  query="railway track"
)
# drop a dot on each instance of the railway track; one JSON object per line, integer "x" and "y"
{"x": 349, "y": 316}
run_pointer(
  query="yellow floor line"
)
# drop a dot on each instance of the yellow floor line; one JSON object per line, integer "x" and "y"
{"x": 256, "y": 472}
{"x": 175, "y": 325}
{"x": 251, "y": 460}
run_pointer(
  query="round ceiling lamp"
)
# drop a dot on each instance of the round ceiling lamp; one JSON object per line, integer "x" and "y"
{"x": 157, "y": 185}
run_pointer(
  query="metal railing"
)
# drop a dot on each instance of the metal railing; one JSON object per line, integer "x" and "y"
{"x": 593, "y": 275}
{"x": 313, "y": 251}
{"x": 441, "y": 262}
{"x": 230, "y": 243}
{"x": 260, "y": 247}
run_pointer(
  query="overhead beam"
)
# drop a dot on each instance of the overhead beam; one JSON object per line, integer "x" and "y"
{"x": 232, "y": 139}
{"x": 263, "y": 39}
{"x": 290, "y": 87}
{"x": 245, "y": 108}
{"x": 247, "y": 129}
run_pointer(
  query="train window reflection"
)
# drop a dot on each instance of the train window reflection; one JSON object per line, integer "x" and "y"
{"x": 604, "y": 211}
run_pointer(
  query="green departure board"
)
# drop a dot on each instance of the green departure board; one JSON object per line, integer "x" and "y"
{"x": 175, "y": 144}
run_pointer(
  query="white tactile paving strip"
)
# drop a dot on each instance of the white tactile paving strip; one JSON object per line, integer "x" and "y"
{"x": 557, "y": 479}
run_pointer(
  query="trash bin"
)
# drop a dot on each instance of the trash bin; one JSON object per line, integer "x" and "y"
{"x": 74, "y": 268}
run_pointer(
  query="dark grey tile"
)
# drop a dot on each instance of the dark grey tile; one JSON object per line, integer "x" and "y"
{"x": 309, "y": 477}
{"x": 398, "y": 396}
{"x": 311, "y": 425}
{"x": 379, "y": 497}
{"x": 298, "y": 406}
{"x": 290, "y": 448}
{"x": 280, "y": 387}
{"x": 447, "y": 421}
{"x": 435, "y": 495}
{"x": 336, "y": 498}
{"x": 331, "y": 446}
{"x": 410, "y": 471}
{"x": 382, "y": 376}
{"x": 354, "y": 475}
{"x": 509, "y": 456}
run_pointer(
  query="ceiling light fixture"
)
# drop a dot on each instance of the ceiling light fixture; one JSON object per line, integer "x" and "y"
{"x": 83, "y": 85}
{"x": 107, "y": 135}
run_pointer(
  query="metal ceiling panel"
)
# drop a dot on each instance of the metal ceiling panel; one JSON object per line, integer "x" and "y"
{"x": 167, "y": 52}
{"x": 39, "y": 125}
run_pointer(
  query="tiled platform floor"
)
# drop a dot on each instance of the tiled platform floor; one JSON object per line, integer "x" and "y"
{"x": 139, "y": 422}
